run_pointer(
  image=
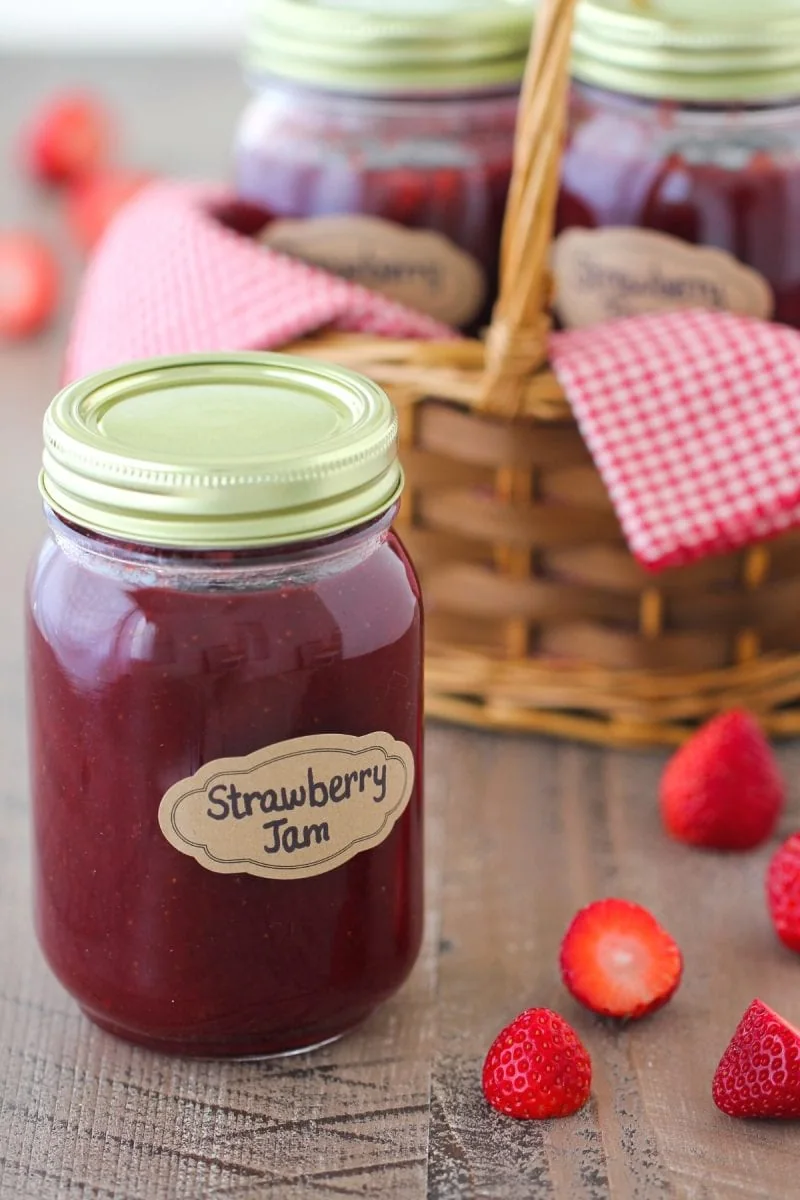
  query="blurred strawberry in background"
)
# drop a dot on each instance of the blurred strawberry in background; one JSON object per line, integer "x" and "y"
{"x": 92, "y": 202}
{"x": 29, "y": 283}
{"x": 68, "y": 146}
{"x": 68, "y": 137}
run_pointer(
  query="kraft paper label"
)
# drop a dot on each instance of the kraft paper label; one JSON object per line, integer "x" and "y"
{"x": 415, "y": 267}
{"x": 601, "y": 274}
{"x": 295, "y": 809}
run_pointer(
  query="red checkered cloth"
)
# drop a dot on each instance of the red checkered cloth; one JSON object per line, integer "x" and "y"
{"x": 693, "y": 420}
{"x": 169, "y": 278}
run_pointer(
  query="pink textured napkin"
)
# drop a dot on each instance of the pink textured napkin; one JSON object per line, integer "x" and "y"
{"x": 693, "y": 420}
{"x": 169, "y": 278}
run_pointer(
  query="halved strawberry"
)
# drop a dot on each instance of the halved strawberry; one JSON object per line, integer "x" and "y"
{"x": 618, "y": 961}
{"x": 29, "y": 284}
{"x": 93, "y": 202}
{"x": 759, "y": 1073}
{"x": 68, "y": 137}
{"x": 723, "y": 789}
{"x": 537, "y": 1067}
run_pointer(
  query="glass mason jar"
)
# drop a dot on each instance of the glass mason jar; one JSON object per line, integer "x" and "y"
{"x": 225, "y": 704}
{"x": 681, "y": 177}
{"x": 367, "y": 113}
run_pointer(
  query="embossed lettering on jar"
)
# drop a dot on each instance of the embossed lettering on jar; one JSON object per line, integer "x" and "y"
{"x": 681, "y": 175}
{"x": 225, "y": 704}
{"x": 380, "y": 139}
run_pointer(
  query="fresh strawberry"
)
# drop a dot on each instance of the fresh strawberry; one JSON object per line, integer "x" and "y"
{"x": 93, "y": 202}
{"x": 759, "y": 1073}
{"x": 68, "y": 138}
{"x": 29, "y": 283}
{"x": 537, "y": 1067}
{"x": 723, "y": 789}
{"x": 783, "y": 892}
{"x": 617, "y": 960}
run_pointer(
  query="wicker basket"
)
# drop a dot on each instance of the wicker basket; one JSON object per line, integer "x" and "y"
{"x": 538, "y": 616}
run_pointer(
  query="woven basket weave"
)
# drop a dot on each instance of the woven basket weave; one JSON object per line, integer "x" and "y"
{"x": 538, "y": 616}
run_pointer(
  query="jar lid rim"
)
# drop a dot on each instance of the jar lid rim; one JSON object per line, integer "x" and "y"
{"x": 220, "y": 451}
{"x": 403, "y": 46}
{"x": 678, "y": 50}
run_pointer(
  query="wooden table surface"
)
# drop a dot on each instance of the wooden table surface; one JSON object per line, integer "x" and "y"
{"x": 521, "y": 832}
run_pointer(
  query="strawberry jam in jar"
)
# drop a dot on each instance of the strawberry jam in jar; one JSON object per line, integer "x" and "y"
{"x": 225, "y": 704}
{"x": 373, "y": 118}
{"x": 681, "y": 176}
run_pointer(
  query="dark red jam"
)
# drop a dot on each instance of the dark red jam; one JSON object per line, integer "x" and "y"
{"x": 726, "y": 177}
{"x": 442, "y": 163}
{"x": 144, "y": 665}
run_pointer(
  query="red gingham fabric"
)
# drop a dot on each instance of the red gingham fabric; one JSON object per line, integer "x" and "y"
{"x": 693, "y": 420}
{"x": 168, "y": 278}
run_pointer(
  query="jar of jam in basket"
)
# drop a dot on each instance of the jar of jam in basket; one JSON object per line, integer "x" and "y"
{"x": 225, "y": 704}
{"x": 374, "y": 117}
{"x": 681, "y": 177}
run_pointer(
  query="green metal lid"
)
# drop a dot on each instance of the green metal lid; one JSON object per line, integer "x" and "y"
{"x": 385, "y": 46}
{"x": 221, "y": 450}
{"x": 692, "y": 50}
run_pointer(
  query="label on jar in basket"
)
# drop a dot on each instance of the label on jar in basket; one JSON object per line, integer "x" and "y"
{"x": 601, "y": 274}
{"x": 416, "y": 267}
{"x": 294, "y": 809}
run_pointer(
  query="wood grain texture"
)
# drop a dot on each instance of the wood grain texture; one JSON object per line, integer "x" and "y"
{"x": 520, "y": 833}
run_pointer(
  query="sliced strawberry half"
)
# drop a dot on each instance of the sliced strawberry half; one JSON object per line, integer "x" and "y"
{"x": 69, "y": 136}
{"x": 29, "y": 284}
{"x": 759, "y": 1073}
{"x": 618, "y": 961}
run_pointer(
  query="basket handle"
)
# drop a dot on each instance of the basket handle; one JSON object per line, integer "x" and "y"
{"x": 516, "y": 342}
